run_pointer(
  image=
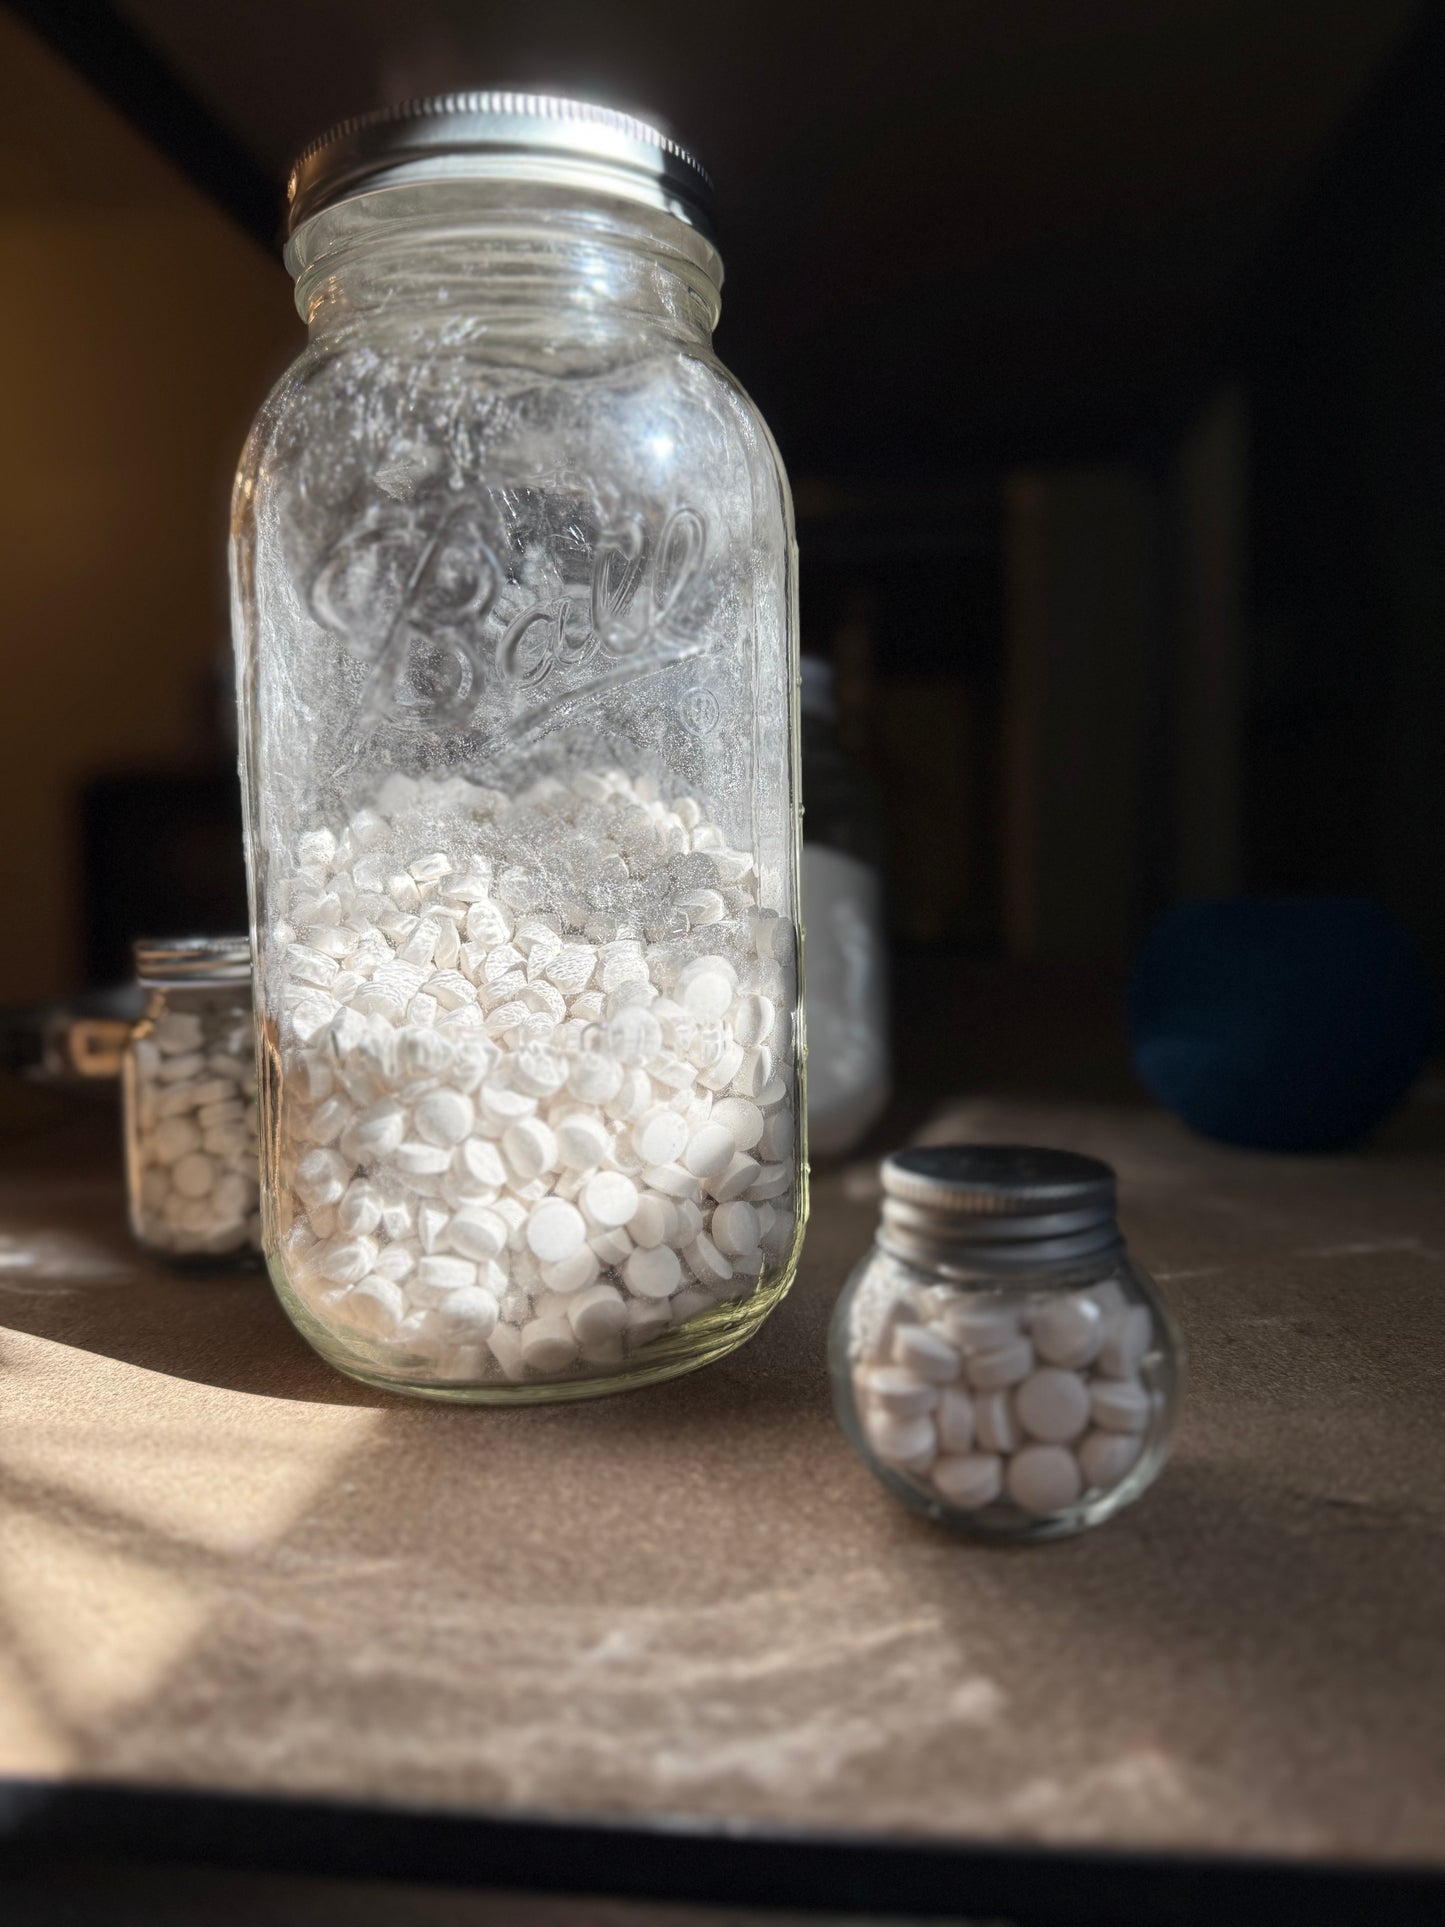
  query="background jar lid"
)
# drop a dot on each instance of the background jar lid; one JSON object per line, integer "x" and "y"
{"x": 193, "y": 960}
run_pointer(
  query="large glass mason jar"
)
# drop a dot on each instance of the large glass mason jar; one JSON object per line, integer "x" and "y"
{"x": 514, "y": 590}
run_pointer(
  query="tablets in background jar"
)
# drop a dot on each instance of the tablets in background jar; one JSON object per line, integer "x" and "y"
{"x": 189, "y": 1083}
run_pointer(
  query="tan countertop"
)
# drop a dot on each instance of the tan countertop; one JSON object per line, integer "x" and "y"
{"x": 227, "y": 1568}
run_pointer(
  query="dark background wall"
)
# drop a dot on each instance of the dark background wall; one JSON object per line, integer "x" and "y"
{"x": 138, "y": 328}
{"x": 1101, "y": 343}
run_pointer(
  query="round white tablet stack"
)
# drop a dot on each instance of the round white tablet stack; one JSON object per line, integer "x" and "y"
{"x": 1029, "y": 1400}
{"x": 193, "y": 1111}
{"x": 546, "y": 1040}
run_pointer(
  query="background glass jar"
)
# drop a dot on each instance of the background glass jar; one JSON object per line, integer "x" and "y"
{"x": 850, "y": 1076}
{"x": 515, "y": 611}
{"x": 998, "y": 1359}
{"x": 188, "y": 1077}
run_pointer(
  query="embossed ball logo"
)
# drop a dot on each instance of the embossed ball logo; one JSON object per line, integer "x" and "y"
{"x": 409, "y": 593}
{"x": 419, "y": 592}
{"x": 637, "y": 588}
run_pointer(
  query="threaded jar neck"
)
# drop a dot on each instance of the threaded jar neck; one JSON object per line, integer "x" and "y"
{"x": 504, "y": 258}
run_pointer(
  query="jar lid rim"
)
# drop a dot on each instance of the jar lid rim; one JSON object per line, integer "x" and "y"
{"x": 999, "y": 1180}
{"x": 999, "y": 1207}
{"x": 502, "y": 134}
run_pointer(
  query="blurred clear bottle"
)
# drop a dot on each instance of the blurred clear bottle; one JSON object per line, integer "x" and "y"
{"x": 849, "y": 1058}
{"x": 188, "y": 1078}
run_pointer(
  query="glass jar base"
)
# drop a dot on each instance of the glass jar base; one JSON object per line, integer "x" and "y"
{"x": 1005, "y": 1525}
{"x": 705, "y": 1340}
{"x": 546, "y": 1391}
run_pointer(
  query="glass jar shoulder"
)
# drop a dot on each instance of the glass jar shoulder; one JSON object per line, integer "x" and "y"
{"x": 756, "y": 436}
{"x": 375, "y": 368}
{"x": 376, "y": 418}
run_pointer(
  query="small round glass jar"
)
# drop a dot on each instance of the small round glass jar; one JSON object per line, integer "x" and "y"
{"x": 999, "y": 1361}
{"x": 188, "y": 1077}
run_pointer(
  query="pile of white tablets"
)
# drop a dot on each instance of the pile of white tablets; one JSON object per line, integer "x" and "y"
{"x": 193, "y": 1120}
{"x": 1033, "y": 1399}
{"x": 537, "y": 1075}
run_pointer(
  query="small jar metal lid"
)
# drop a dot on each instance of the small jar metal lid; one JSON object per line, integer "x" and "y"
{"x": 192, "y": 960}
{"x": 546, "y": 139}
{"x": 997, "y": 1207}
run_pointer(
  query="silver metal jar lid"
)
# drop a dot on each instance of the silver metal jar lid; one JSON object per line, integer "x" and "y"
{"x": 998, "y": 1207}
{"x": 192, "y": 960}
{"x": 545, "y": 139}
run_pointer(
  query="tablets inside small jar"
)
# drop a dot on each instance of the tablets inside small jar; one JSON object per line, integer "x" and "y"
{"x": 1012, "y": 1406}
